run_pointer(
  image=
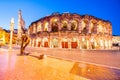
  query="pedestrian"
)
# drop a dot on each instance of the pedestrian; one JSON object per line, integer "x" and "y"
{"x": 24, "y": 42}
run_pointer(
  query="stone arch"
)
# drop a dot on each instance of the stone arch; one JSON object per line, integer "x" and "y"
{"x": 64, "y": 43}
{"x": 84, "y": 28}
{"x": 84, "y": 43}
{"x": 54, "y": 42}
{"x": 39, "y": 42}
{"x": 34, "y": 28}
{"x": 45, "y": 42}
{"x": 64, "y": 25}
{"x": 92, "y": 43}
{"x": 91, "y": 27}
{"x": 93, "y": 24}
{"x": 74, "y": 25}
{"x": 45, "y": 25}
{"x": 54, "y": 23}
{"x": 100, "y": 27}
{"x": 74, "y": 43}
{"x": 39, "y": 26}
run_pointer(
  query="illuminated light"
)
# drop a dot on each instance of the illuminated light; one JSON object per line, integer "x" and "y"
{"x": 92, "y": 40}
{"x": 83, "y": 39}
{"x": 46, "y": 26}
{"x": 64, "y": 39}
{"x": 88, "y": 70}
{"x": 100, "y": 28}
{"x": 83, "y": 25}
{"x": 45, "y": 39}
{"x": 101, "y": 42}
{"x": 65, "y": 21}
{"x": 55, "y": 20}
{"x": 45, "y": 56}
{"x": 74, "y": 39}
{"x": 39, "y": 27}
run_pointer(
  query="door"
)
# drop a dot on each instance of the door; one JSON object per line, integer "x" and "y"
{"x": 74, "y": 45}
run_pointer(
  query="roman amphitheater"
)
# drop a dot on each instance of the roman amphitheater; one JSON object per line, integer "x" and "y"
{"x": 71, "y": 31}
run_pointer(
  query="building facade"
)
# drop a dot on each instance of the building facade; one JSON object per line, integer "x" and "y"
{"x": 71, "y": 31}
{"x": 116, "y": 40}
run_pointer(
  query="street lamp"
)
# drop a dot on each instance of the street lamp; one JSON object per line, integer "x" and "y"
{"x": 11, "y": 31}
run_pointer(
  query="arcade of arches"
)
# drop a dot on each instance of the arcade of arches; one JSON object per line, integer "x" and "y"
{"x": 71, "y": 31}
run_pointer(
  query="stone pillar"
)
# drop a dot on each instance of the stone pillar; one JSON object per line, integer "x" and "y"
{"x": 87, "y": 44}
{"x": 50, "y": 43}
{"x": 36, "y": 43}
{"x": 69, "y": 26}
{"x": 60, "y": 43}
{"x": 69, "y": 43}
{"x": 11, "y": 32}
{"x": 49, "y": 27}
{"x": 59, "y": 26}
{"x": 78, "y": 43}
{"x": 88, "y": 26}
{"x": 80, "y": 26}
{"x": 43, "y": 42}
{"x": 33, "y": 43}
{"x": 95, "y": 28}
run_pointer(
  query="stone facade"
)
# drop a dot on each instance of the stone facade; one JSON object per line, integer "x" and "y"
{"x": 71, "y": 31}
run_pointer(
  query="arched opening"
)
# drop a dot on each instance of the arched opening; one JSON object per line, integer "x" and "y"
{"x": 92, "y": 43}
{"x": 55, "y": 43}
{"x": 46, "y": 26}
{"x": 84, "y": 28}
{"x": 74, "y": 43}
{"x": 45, "y": 40}
{"x": 54, "y": 25}
{"x": 91, "y": 28}
{"x": 34, "y": 42}
{"x": 39, "y": 27}
{"x": 39, "y": 42}
{"x": 74, "y": 25}
{"x": 64, "y": 43}
{"x": 64, "y": 25}
{"x": 100, "y": 28}
{"x": 84, "y": 43}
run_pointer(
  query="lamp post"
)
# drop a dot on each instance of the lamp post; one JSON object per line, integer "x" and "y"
{"x": 11, "y": 32}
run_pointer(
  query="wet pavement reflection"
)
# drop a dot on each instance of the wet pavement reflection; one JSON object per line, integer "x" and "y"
{"x": 94, "y": 72}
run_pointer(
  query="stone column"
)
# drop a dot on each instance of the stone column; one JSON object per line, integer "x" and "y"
{"x": 49, "y": 27}
{"x": 60, "y": 43}
{"x": 95, "y": 28}
{"x": 80, "y": 42}
{"x": 88, "y": 26}
{"x": 69, "y": 43}
{"x": 50, "y": 43}
{"x": 11, "y": 32}
{"x": 33, "y": 43}
{"x": 78, "y": 45}
{"x": 69, "y": 26}
{"x": 36, "y": 43}
{"x": 59, "y": 26}
{"x": 80, "y": 26}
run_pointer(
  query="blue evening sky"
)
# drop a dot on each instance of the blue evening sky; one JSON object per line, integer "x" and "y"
{"x": 33, "y": 10}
